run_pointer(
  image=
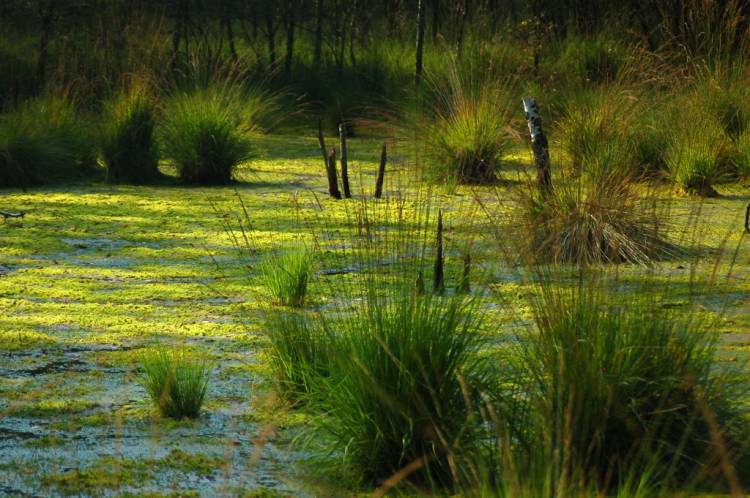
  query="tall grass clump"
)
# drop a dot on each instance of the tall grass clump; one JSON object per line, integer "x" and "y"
{"x": 287, "y": 276}
{"x": 589, "y": 59}
{"x": 700, "y": 153}
{"x": 468, "y": 131}
{"x": 619, "y": 381}
{"x": 596, "y": 130}
{"x": 128, "y": 143}
{"x": 206, "y": 134}
{"x": 402, "y": 372}
{"x": 45, "y": 141}
{"x": 176, "y": 381}
{"x": 299, "y": 354}
{"x": 594, "y": 218}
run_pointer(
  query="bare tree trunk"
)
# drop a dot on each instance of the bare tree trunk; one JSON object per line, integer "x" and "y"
{"x": 435, "y": 20}
{"x": 318, "y": 44}
{"x": 46, "y": 15}
{"x": 420, "y": 43}
{"x": 290, "y": 26}
{"x": 271, "y": 36}
{"x": 541, "y": 146}
{"x": 381, "y": 173}
{"x": 344, "y": 164}
{"x": 230, "y": 33}
{"x": 462, "y": 25}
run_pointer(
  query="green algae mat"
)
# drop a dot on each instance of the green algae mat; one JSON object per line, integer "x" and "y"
{"x": 96, "y": 273}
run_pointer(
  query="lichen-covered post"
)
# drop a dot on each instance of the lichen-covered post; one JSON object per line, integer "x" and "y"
{"x": 540, "y": 145}
{"x": 333, "y": 182}
{"x": 344, "y": 164}
{"x": 381, "y": 173}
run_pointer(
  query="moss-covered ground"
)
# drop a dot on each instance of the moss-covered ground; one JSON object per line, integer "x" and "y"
{"x": 94, "y": 273}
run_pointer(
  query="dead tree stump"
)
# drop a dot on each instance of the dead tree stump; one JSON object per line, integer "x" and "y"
{"x": 344, "y": 164}
{"x": 438, "y": 284}
{"x": 540, "y": 145}
{"x": 333, "y": 182}
{"x": 381, "y": 173}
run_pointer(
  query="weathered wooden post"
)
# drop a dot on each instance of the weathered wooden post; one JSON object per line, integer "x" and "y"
{"x": 381, "y": 173}
{"x": 465, "y": 285}
{"x": 540, "y": 145}
{"x": 344, "y": 165}
{"x": 438, "y": 284}
{"x": 333, "y": 182}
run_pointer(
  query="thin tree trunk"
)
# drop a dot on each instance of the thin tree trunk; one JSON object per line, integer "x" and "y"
{"x": 230, "y": 34}
{"x": 41, "y": 66}
{"x": 462, "y": 25}
{"x": 290, "y": 25}
{"x": 435, "y": 20}
{"x": 271, "y": 35}
{"x": 420, "y": 43}
{"x": 318, "y": 44}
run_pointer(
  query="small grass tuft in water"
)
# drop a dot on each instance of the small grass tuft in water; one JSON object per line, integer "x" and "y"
{"x": 287, "y": 276}
{"x": 177, "y": 381}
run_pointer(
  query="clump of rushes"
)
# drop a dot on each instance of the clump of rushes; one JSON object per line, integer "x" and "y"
{"x": 468, "y": 131}
{"x": 287, "y": 277}
{"x": 396, "y": 392}
{"x": 128, "y": 142}
{"x": 298, "y": 354}
{"x": 596, "y": 125}
{"x": 205, "y": 133}
{"x": 619, "y": 380}
{"x": 699, "y": 154}
{"x": 594, "y": 59}
{"x": 594, "y": 219}
{"x": 176, "y": 380}
{"x": 45, "y": 141}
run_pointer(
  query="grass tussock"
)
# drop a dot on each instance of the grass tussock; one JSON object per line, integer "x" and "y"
{"x": 45, "y": 141}
{"x": 286, "y": 276}
{"x": 128, "y": 145}
{"x": 468, "y": 132}
{"x": 176, "y": 381}
{"x": 623, "y": 387}
{"x": 594, "y": 219}
{"x": 700, "y": 153}
{"x": 206, "y": 133}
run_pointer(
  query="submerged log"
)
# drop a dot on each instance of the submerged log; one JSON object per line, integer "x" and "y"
{"x": 540, "y": 146}
{"x": 7, "y": 214}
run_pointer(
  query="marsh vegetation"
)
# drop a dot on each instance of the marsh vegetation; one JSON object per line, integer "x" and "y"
{"x": 330, "y": 248}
